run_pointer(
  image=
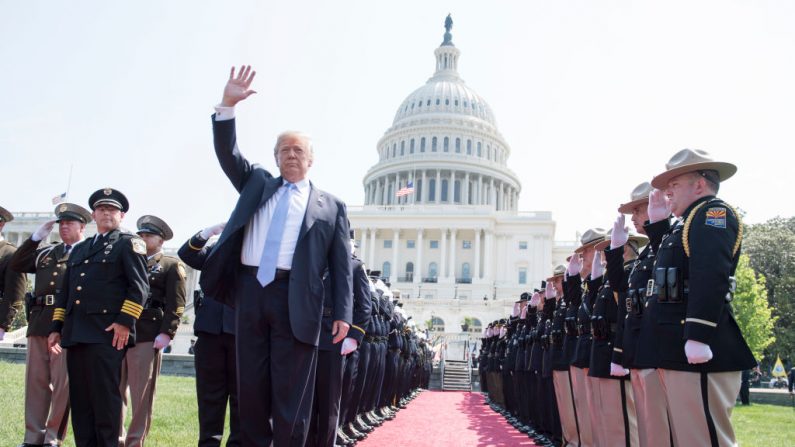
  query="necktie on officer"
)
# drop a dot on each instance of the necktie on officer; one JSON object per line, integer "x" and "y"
{"x": 273, "y": 241}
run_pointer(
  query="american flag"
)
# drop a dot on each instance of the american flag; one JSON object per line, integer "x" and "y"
{"x": 58, "y": 199}
{"x": 406, "y": 190}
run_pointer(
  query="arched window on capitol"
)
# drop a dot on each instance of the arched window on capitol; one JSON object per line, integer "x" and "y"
{"x": 432, "y": 271}
{"x": 386, "y": 270}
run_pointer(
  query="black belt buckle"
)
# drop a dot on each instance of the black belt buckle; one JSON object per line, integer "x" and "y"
{"x": 49, "y": 300}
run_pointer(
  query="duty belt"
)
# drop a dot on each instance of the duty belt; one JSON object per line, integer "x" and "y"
{"x": 584, "y": 329}
{"x": 43, "y": 300}
{"x": 557, "y": 338}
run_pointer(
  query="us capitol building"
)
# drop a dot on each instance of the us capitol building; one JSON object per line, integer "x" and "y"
{"x": 457, "y": 246}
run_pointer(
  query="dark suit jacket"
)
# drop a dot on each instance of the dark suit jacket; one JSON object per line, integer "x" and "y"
{"x": 212, "y": 317}
{"x": 322, "y": 245}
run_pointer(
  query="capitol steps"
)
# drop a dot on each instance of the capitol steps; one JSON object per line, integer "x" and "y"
{"x": 457, "y": 376}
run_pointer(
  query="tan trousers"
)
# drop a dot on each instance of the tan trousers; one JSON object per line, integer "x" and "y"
{"x": 610, "y": 408}
{"x": 46, "y": 394}
{"x": 140, "y": 370}
{"x": 564, "y": 397}
{"x": 651, "y": 406}
{"x": 687, "y": 393}
{"x": 594, "y": 409}
{"x": 579, "y": 379}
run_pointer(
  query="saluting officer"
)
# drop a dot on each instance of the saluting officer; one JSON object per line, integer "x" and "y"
{"x": 46, "y": 383}
{"x": 155, "y": 329}
{"x": 12, "y": 283}
{"x": 102, "y": 295}
{"x": 701, "y": 348}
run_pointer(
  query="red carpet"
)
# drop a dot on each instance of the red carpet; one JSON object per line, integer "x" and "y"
{"x": 450, "y": 418}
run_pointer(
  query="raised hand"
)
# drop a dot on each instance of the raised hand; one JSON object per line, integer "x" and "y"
{"x": 43, "y": 231}
{"x": 213, "y": 230}
{"x": 550, "y": 292}
{"x": 237, "y": 87}
{"x": 575, "y": 265}
{"x": 659, "y": 208}
{"x": 620, "y": 234}
{"x": 596, "y": 266}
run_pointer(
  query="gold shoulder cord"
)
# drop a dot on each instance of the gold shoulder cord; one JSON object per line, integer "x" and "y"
{"x": 689, "y": 221}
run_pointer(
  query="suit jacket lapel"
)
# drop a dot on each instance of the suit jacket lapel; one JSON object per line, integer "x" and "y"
{"x": 314, "y": 208}
{"x": 269, "y": 190}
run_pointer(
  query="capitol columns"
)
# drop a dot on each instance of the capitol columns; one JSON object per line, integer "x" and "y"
{"x": 487, "y": 258}
{"x": 418, "y": 264}
{"x": 465, "y": 198}
{"x": 393, "y": 278}
{"x": 452, "y": 252}
{"x": 476, "y": 274}
{"x": 423, "y": 191}
{"x": 443, "y": 256}
{"x": 363, "y": 244}
{"x": 371, "y": 258}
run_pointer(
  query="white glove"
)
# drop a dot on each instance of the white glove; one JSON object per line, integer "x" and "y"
{"x": 161, "y": 341}
{"x": 575, "y": 265}
{"x": 349, "y": 345}
{"x": 2, "y": 334}
{"x": 617, "y": 370}
{"x": 213, "y": 230}
{"x": 524, "y": 313}
{"x": 659, "y": 207}
{"x": 43, "y": 231}
{"x": 697, "y": 352}
{"x": 596, "y": 267}
{"x": 536, "y": 299}
{"x": 620, "y": 234}
{"x": 515, "y": 311}
{"x": 550, "y": 292}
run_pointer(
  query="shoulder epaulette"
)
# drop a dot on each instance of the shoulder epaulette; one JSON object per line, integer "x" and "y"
{"x": 689, "y": 222}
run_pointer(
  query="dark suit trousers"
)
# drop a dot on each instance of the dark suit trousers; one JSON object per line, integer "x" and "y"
{"x": 94, "y": 377}
{"x": 328, "y": 391}
{"x": 275, "y": 371}
{"x": 363, "y": 370}
{"x": 348, "y": 385}
{"x": 378, "y": 381}
{"x": 216, "y": 384}
{"x": 391, "y": 378}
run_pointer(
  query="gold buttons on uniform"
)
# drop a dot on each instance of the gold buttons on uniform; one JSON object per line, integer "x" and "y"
{"x": 85, "y": 262}
{"x": 79, "y": 288}
{"x": 54, "y": 273}
{"x": 83, "y": 274}
{"x": 104, "y": 311}
{"x": 682, "y": 322}
{"x": 77, "y": 301}
{"x": 52, "y": 283}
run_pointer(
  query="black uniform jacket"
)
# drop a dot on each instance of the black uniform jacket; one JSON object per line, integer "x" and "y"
{"x": 166, "y": 303}
{"x": 12, "y": 286}
{"x": 102, "y": 285}
{"x": 212, "y": 317}
{"x": 693, "y": 290}
{"x": 49, "y": 265}
{"x": 323, "y": 243}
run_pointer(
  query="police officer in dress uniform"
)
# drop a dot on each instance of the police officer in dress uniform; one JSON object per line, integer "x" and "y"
{"x": 12, "y": 283}
{"x": 214, "y": 350}
{"x": 611, "y": 392}
{"x": 580, "y": 293}
{"x": 701, "y": 348}
{"x": 154, "y": 329}
{"x": 633, "y": 349}
{"x": 46, "y": 382}
{"x": 102, "y": 295}
{"x": 361, "y": 316}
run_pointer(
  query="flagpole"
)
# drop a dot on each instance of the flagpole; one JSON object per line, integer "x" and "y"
{"x": 69, "y": 182}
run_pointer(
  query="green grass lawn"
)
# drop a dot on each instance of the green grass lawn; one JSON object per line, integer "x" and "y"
{"x": 175, "y": 421}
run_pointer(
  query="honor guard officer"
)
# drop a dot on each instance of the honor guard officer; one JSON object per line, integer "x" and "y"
{"x": 215, "y": 361}
{"x": 12, "y": 283}
{"x": 46, "y": 383}
{"x": 701, "y": 348}
{"x": 154, "y": 329}
{"x": 102, "y": 295}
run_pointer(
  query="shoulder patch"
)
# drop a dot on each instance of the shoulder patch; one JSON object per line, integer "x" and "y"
{"x": 181, "y": 270}
{"x": 716, "y": 217}
{"x": 138, "y": 245}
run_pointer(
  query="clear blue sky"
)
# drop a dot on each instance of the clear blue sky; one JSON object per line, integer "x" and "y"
{"x": 593, "y": 97}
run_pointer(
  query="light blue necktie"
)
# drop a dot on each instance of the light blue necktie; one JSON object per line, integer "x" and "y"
{"x": 273, "y": 241}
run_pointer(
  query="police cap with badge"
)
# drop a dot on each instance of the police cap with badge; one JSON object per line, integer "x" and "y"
{"x": 154, "y": 225}
{"x": 109, "y": 196}
{"x": 72, "y": 211}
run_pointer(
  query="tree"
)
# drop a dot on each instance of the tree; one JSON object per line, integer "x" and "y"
{"x": 751, "y": 308}
{"x": 771, "y": 249}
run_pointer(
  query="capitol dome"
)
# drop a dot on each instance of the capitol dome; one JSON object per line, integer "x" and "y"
{"x": 443, "y": 148}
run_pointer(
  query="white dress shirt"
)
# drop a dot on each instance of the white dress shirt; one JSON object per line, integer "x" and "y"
{"x": 257, "y": 228}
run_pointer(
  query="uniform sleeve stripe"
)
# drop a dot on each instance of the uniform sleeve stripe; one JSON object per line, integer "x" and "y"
{"x": 180, "y": 310}
{"x": 133, "y": 304}
{"x": 131, "y": 313}
{"x": 359, "y": 329}
{"x": 700, "y": 321}
{"x": 59, "y": 314}
{"x": 190, "y": 244}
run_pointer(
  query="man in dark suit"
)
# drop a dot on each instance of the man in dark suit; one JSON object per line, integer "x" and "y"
{"x": 216, "y": 369}
{"x": 269, "y": 262}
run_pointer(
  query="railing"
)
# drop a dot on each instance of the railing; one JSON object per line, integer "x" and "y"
{"x": 407, "y": 278}
{"x": 463, "y": 280}
{"x": 432, "y": 279}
